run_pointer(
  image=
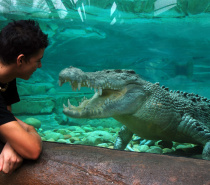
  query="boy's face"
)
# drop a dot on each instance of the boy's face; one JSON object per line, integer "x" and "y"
{"x": 31, "y": 66}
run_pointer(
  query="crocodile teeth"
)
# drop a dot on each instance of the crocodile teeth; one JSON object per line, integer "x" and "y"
{"x": 88, "y": 83}
{"x": 60, "y": 83}
{"x": 79, "y": 86}
{"x": 100, "y": 91}
{"x": 64, "y": 106}
{"x": 69, "y": 104}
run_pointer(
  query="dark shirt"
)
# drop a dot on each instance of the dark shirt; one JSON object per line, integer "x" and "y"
{"x": 9, "y": 97}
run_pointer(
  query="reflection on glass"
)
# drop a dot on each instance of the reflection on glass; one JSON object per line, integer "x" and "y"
{"x": 163, "y": 6}
{"x": 80, "y": 14}
{"x": 113, "y": 9}
{"x": 59, "y": 6}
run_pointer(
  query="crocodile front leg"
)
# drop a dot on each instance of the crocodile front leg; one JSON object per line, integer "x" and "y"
{"x": 198, "y": 131}
{"x": 123, "y": 138}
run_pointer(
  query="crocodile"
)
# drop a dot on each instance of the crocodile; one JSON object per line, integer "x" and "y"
{"x": 146, "y": 109}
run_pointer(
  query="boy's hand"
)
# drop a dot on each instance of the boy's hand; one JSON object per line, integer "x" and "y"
{"x": 9, "y": 159}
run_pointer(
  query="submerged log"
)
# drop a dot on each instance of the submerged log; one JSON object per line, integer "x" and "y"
{"x": 77, "y": 164}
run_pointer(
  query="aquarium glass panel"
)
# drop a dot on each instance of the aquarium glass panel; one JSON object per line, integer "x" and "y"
{"x": 138, "y": 63}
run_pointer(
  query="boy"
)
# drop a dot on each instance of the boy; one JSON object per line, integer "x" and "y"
{"x": 22, "y": 45}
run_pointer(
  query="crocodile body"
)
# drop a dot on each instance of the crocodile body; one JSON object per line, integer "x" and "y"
{"x": 146, "y": 109}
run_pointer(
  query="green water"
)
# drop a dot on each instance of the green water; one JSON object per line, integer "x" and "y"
{"x": 163, "y": 41}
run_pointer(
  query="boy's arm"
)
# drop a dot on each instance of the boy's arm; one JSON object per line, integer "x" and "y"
{"x": 9, "y": 159}
{"x": 15, "y": 133}
{"x": 23, "y": 138}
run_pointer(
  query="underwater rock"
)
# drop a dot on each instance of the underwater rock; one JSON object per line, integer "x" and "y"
{"x": 105, "y": 145}
{"x": 184, "y": 146}
{"x": 34, "y": 122}
{"x": 79, "y": 130}
{"x": 62, "y": 131}
{"x": 62, "y": 141}
{"x": 99, "y": 127}
{"x": 143, "y": 148}
{"x": 155, "y": 150}
{"x": 77, "y": 164}
{"x": 167, "y": 150}
{"x": 88, "y": 129}
{"x": 50, "y": 140}
{"x": 114, "y": 130}
{"x": 75, "y": 139}
{"x": 98, "y": 137}
{"x": 135, "y": 148}
{"x": 76, "y": 129}
{"x": 43, "y": 139}
{"x": 53, "y": 135}
{"x": 67, "y": 136}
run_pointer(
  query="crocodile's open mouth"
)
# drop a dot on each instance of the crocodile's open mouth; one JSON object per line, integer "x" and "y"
{"x": 105, "y": 96}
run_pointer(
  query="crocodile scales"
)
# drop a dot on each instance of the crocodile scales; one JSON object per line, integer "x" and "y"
{"x": 146, "y": 109}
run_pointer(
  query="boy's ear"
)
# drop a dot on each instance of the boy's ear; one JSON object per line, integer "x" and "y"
{"x": 20, "y": 59}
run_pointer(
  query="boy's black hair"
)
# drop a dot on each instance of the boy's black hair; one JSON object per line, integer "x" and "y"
{"x": 21, "y": 37}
